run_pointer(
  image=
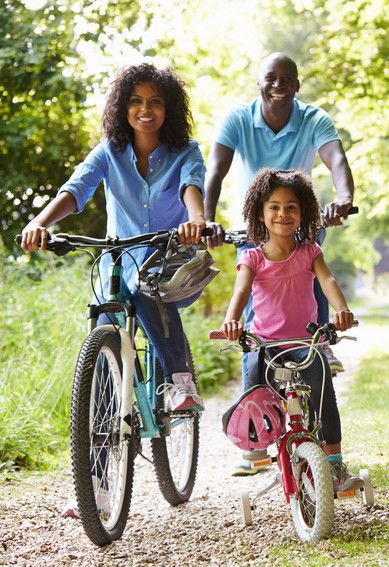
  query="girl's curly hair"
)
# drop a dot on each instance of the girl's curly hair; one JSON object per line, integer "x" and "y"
{"x": 177, "y": 127}
{"x": 263, "y": 185}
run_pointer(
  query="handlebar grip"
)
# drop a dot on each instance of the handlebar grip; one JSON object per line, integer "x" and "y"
{"x": 217, "y": 335}
{"x": 18, "y": 239}
{"x": 353, "y": 211}
{"x": 207, "y": 231}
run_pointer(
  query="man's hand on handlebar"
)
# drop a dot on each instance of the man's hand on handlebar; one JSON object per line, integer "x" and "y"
{"x": 218, "y": 235}
{"x": 335, "y": 211}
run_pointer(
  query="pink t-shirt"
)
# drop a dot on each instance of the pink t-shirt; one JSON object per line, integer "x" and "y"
{"x": 283, "y": 300}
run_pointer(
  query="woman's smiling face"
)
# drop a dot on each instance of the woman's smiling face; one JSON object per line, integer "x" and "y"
{"x": 146, "y": 109}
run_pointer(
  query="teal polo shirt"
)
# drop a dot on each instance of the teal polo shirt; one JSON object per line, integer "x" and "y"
{"x": 245, "y": 131}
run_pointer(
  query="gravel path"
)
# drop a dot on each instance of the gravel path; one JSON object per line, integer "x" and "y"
{"x": 206, "y": 531}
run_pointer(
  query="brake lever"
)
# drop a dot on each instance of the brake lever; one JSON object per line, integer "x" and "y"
{"x": 231, "y": 347}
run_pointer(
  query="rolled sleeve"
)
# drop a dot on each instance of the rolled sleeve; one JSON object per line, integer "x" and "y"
{"x": 86, "y": 177}
{"x": 192, "y": 172}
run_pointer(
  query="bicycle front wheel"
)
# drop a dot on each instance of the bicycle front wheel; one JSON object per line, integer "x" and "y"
{"x": 102, "y": 457}
{"x": 175, "y": 456}
{"x": 313, "y": 507}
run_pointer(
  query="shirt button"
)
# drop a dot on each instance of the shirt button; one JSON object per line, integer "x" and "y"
{"x": 145, "y": 225}
{"x": 151, "y": 170}
{"x": 145, "y": 205}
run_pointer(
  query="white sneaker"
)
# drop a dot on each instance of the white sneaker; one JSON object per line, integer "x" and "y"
{"x": 182, "y": 394}
{"x": 342, "y": 479}
{"x": 102, "y": 502}
{"x": 102, "y": 497}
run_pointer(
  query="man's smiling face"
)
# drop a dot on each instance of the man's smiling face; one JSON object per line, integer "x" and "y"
{"x": 278, "y": 82}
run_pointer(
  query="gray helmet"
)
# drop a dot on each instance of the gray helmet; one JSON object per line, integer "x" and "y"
{"x": 180, "y": 274}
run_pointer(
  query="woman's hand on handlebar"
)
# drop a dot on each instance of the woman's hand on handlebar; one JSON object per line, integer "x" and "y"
{"x": 334, "y": 212}
{"x": 34, "y": 237}
{"x": 232, "y": 329}
{"x": 343, "y": 319}
{"x": 190, "y": 231}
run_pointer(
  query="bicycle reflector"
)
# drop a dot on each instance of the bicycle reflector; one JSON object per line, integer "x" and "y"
{"x": 256, "y": 420}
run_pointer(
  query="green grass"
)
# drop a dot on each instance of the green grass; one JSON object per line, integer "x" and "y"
{"x": 43, "y": 324}
{"x": 365, "y": 418}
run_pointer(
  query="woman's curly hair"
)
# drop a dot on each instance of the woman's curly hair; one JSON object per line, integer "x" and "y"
{"x": 263, "y": 185}
{"x": 176, "y": 129}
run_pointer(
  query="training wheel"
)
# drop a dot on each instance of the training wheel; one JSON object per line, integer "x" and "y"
{"x": 245, "y": 508}
{"x": 367, "y": 492}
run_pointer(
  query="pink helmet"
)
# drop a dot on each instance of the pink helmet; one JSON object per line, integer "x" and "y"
{"x": 256, "y": 420}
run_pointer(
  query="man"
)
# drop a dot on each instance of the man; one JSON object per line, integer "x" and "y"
{"x": 277, "y": 130}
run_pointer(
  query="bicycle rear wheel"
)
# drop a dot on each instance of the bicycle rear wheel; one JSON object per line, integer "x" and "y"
{"x": 102, "y": 459}
{"x": 313, "y": 507}
{"x": 175, "y": 456}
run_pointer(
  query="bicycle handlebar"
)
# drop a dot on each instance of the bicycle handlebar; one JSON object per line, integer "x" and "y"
{"x": 327, "y": 330}
{"x": 63, "y": 243}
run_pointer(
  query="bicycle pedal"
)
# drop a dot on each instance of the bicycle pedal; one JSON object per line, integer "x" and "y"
{"x": 262, "y": 463}
{"x": 346, "y": 494}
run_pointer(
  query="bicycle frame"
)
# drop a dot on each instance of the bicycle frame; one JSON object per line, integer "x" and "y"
{"x": 133, "y": 377}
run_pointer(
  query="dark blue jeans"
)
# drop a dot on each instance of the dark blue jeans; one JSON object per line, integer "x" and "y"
{"x": 170, "y": 351}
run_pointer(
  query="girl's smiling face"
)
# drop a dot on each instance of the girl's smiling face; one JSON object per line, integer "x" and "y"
{"x": 146, "y": 109}
{"x": 282, "y": 212}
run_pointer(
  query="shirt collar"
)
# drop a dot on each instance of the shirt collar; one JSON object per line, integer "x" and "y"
{"x": 158, "y": 154}
{"x": 291, "y": 126}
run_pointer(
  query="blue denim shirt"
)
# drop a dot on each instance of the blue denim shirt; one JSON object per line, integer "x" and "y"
{"x": 135, "y": 204}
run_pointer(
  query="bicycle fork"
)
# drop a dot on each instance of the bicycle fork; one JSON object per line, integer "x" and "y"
{"x": 297, "y": 434}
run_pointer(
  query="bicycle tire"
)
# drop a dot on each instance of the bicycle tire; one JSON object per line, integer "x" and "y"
{"x": 176, "y": 479}
{"x": 104, "y": 497}
{"x": 313, "y": 507}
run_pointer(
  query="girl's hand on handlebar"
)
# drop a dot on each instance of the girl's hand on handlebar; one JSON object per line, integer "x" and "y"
{"x": 343, "y": 319}
{"x": 34, "y": 237}
{"x": 190, "y": 231}
{"x": 232, "y": 329}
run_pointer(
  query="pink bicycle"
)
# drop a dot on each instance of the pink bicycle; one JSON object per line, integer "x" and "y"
{"x": 284, "y": 416}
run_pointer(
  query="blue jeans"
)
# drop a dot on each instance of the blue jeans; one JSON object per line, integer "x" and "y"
{"x": 321, "y": 300}
{"x": 331, "y": 428}
{"x": 170, "y": 351}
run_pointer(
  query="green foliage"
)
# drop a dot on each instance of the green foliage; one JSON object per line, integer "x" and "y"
{"x": 352, "y": 84}
{"x": 43, "y": 132}
{"x": 42, "y": 328}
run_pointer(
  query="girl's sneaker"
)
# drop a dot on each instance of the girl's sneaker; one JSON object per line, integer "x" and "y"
{"x": 254, "y": 462}
{"x": 342, "y": 479}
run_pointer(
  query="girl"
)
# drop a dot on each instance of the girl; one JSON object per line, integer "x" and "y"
{"x": 279, "y": 273}
{"x": 153, "y": 178}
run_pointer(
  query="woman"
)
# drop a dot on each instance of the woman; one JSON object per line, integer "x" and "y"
{"x": 153, "y": 178}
